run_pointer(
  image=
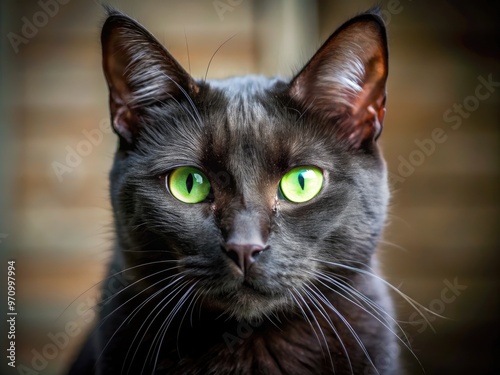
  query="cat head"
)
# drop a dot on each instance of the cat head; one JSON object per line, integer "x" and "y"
{"x": 248, "y": 188}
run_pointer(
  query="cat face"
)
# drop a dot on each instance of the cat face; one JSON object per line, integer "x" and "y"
{"x": 241, "y": 189}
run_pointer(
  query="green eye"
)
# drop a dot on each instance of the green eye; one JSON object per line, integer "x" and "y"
{"x": 301, "y": 184}
{"x": 189, "y": 185}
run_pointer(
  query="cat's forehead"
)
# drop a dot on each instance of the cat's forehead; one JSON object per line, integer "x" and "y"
{"x": 245, "y": 86}
{"x": 254, "y": 122}
{"x": 243, "y": 126}
{"x": 243, "y": 99}
{"x": 243, "y": 116}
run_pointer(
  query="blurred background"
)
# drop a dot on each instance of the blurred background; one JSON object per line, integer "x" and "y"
{"x": 441, "y": 142}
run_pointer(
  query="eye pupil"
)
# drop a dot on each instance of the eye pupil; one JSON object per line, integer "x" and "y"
{"x": 301, "y": 184}
{"x": 301, "y": 180}
{"x": 189, "y": 183}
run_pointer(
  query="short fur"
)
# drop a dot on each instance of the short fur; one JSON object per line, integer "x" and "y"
{"x": 310, "y": 303}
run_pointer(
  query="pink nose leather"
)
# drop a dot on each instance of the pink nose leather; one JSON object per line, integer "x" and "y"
{"x": 243, "y": 255}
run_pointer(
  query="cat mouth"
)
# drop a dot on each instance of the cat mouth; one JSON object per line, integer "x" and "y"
{"x": 247, "y": 287}
{"x": 247, "y": 302}
{"x": 243, "y": 290}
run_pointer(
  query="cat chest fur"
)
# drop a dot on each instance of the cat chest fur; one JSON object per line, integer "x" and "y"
{"x": 286, "y": 347}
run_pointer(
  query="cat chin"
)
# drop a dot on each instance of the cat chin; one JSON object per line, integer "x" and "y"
{"x": 255, "y": 310}
{"x": 249, "y": 305}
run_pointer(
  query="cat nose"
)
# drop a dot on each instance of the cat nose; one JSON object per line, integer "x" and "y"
{"x": 243, "y": 255}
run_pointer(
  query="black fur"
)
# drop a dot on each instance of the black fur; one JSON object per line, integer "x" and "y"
{"x": 188, "y": 309}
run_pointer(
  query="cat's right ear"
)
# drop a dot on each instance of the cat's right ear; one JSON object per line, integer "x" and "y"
{"x": 139, "y": 71}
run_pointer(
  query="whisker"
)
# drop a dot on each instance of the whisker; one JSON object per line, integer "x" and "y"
{"x": 304, "y": 314}
{"x": 357, "y": 295}
{"x": 130, "y": 318}
{"x": 105, "y": 279}
{"x": 393, "y": 245}
{"x": 146, "y": 251}
{"x": 197, "y": 120}
{"x": 187, "y": 50}
{"x": 169, "y": 320}
{"x": 417, "y": 306}
{"x": 104, "y": 301}
{"x": 269, "y": 318}
{"x": 163, "y": 305}
{"x": 176, "y": 291}
{"x": 199, "y": 292}
{"x": 353, "y": 333}
{"x": 103, "y": 320}
{"x": 184, "y": 316}
{"x": 381, "y": 316}
{"x": 323, "y": 312}
{"x": 360, "y": 296}
{"x": 217, "y": 50}
{"x": 181, "y": 274}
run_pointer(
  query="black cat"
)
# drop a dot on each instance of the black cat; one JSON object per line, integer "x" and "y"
{"x": 247, "y": 213}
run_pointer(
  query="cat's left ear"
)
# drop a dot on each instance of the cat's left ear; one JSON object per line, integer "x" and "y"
{"x": 139, "y": 71}
{"x": 344, "y": 82}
